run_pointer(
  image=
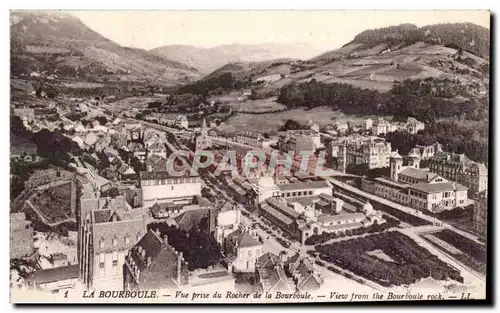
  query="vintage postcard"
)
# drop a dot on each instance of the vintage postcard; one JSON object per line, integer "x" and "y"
{"x": 248, "y": 156}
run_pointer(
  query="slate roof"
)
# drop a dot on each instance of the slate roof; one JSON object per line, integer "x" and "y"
{"x": 106, "y": 231}
{"x": 340, "y": 217}
{"x": 55, "y": 274}
{"x": 438, "y": 187}
{"x": 304, "y": 185}
{"x": 283, "y": 207}
{"x": 244, "y": 239}
{"x": 152, "y": 244}
{"x": 268, "y": 260}
{"x": 189, "y": 219}
{"x": 278, "y": 215}
{"x": 160, "y": 175}
{"x": 418, "y": 174}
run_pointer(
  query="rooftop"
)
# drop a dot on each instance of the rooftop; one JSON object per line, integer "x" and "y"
{"x": 418, "y": 174}
{"x": 438, "y": 187}
{"x": 244, "y": 239}
{"x": 55, "y": 274}
{"x": 280, "y": 216}
{"x": 325, "y": 218}
{"x": 304, "y": 185}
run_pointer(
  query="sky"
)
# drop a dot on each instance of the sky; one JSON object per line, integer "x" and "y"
{"x": 324, "y": 30}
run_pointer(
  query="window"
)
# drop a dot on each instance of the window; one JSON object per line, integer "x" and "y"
{"x": 102, "y": 260}
{"x": 114, "y": 241}
{"x": 310, "y": 192}
{"x": 127, "y": 239}
{"x": 249, "y": 253}
{"x": 101, "y": 243}
{"x": 115, "y": 259}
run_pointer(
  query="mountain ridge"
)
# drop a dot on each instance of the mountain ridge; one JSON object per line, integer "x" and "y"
{"x": 209, "y": 59}
{"x": 57, "y": 42}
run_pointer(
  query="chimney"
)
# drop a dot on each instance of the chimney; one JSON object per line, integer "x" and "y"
{"x": 165, "y": 239}
{"x": 179, "y": 267}
{"x": 283, "y": 257}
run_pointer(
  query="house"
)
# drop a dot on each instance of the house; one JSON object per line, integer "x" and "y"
{"x": 157, "y": 148}
{"x": 241, "y": 249}
{"x": 459, "y": 168}
{"x": 301, "y": 269}
{"x": 26, "y": 152}
{"x": 165, "y": 210}
{"x": 153, "y": 264}
{"x": 358, "y": 150}
{"x": 272, "y": 276}
{"x": 156, "y": 163}
{"x": 109, "y": 228}
{"x": 161, "y": 186}
{"x": 54, "y": 280}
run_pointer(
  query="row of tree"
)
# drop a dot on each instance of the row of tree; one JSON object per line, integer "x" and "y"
{"x": 422, "y": 99}
{"x": 468, "y": 137}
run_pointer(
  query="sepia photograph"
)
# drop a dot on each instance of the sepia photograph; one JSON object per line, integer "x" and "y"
{"x": 249, "y": 156}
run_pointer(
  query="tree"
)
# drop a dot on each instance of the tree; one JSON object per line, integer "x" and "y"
{"x": 290, "y": 125}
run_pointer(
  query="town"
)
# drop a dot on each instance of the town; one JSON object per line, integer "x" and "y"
{"x": 145, "y": 189}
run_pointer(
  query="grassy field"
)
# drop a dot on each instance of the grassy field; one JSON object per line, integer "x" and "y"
{"x": 77, "y": 84}
{"x": 270, "y": 123}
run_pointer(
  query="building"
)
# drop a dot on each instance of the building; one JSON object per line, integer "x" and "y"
{"x": 301, "y": 269}
{"x": 267, "y": 187}
{"x": 227, "y": 221}
{"x": 356, "y": 151}
{"x": 241, "y": 249}
{"x": 201, "y": 140}
{"x": 459, "y": 168}
{"x": 417, "y": 188}
{"x": 107, "y": 228}
{"x": 413, "y": 126}
{"x": 182, "y": 122}
{"x": 382, "y": 127}
{"x": 299, "y": 140}
{"x": 480, "y": 217}
{"x": 287, "y": 274}
{"x": 24, "y": 152}
{"x": 338, "y": 221}
{"x": 161, "y": 187}
{"x": 156, "y": 163}
{"x": 54, "y": 280}
{"x": 21, "y": 236}
{"x": 157, "y": 148}
{"x": 249, "y": 138}
{"x": 426, "y": 152}
{"x": 368, "y": 124}
{"x": 272, "y": 276}
{"x": 153, "y": 264}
